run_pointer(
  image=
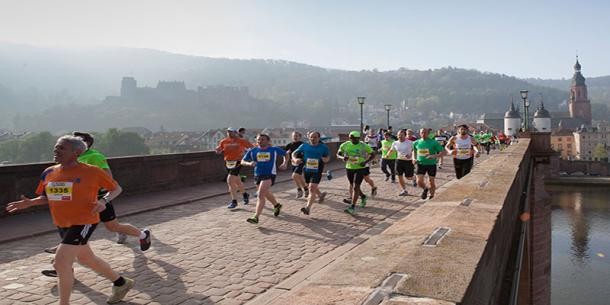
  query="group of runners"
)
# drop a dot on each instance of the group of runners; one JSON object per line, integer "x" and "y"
{"x": 79, "y": 189}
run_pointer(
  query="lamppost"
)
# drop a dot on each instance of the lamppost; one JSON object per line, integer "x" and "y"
{"x": 361, "y": 102}
{"x": 387, "y": 110}
{"x": 526, "y": 105}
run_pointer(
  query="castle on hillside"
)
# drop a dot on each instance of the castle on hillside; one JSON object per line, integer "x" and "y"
{"x": 130, "y": 90}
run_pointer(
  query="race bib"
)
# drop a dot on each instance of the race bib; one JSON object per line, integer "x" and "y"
{"x": 423, "y": 152}
{"x": 463, "y": 152}
{"x": 263, "y": 156}
{"x": 231, "y": 164}
{"x": 402, "y": 156}
{"x": 354, "y": 160}
{"x": 312, "y": 164}
{"x": 59, "y": 191}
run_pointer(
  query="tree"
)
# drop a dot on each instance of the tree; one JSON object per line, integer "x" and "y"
{"x": 600, "y": 152}
{"x": 9, "y": 150}
{"x": 36, "y": 148}
{"x": 117, "y": 143}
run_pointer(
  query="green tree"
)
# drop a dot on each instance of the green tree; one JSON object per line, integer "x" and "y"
{"x": 117, "y": 143}
{"x": 36, "y": 148}
{"x": 600, "y": 152}
{"x": 9, "y": 150}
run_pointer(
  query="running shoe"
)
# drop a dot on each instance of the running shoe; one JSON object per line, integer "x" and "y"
{"x": 347, "y": 201}
{"x": 305, "y": 210}
{"x": 246, "y": 198}
{"x": 119, "y": 292}
{"x": 387, "y": 178}
{"x": 242, "y": 178}
{"x": 49, "y": 273}
{"x": 252, "y": 219}
{"x": 306, "y": 193}
{"x": 299, "y": 193}
{"x": 414, "y": 183}
{"x": 232, "y": 205}
{"x": 121, "y": 238}
{"x": 276, "y": 209}
{"x": 403, "y": 193}
{"x": 350, "y": 211}
{"x": 424, "y": 194}
{"x": 374, "y": 191}
{"x": 393, "y": 180}
{"x": 362, "y": 201}
{"x": 145, "y": 242}
{"x": 322, "y": 196}
{"x": 51, "y": 250}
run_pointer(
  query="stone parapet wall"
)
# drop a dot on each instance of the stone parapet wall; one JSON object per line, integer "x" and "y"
{"x": 136, "y": 174}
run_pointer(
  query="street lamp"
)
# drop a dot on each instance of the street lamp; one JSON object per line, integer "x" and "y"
{"x": 387, "y": 109}
{"x": 526, "y": 105}
{"x": 361, "y": 102}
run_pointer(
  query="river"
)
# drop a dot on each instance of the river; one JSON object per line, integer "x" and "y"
{"x": 580, "y": 271}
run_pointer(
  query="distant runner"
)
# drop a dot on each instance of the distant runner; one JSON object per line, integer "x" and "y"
{"x": 388, "y": 160}
{"x": 403, "y": 147}
{"x": 463, "y": 147}
{"x": 425, "y": 153}
{"x": 314, "y": 156}
{"x": 233, "y": 148}
{"x": 441, "y": 138}
{"x": 297, "y": 169}
{"x": 263, "y": 158}
{"x": 356, "y": 155}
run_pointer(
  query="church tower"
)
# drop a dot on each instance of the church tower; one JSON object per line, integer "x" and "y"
{"x": 579, "y": 103}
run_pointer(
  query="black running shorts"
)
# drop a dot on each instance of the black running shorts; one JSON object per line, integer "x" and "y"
{"x": 405, "y": 167}
{"x": 355, "y": 176}
{"x": 108, "y": 214}
{"x": 76, "y": 235}
{"x": 426, "y": 169}
{"x": 233, "y": 169}
{"x": 260, "y": 178}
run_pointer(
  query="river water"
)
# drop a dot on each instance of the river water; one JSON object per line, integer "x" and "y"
{"x": 580, "y": 269}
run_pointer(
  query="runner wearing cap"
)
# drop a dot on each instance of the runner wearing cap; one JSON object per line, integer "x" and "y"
{"x": 463, "y": 147}
{"x": 426, "y": 151}
{"x": 314, "y": 156}
{"x": 356, "y": 155}
{"x": 233, "y": 148}
{"x": 264, "y": 159}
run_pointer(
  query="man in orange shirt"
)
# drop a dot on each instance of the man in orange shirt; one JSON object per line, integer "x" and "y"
{"x": 70, "y": 189}
{"x": 233, "y": 147}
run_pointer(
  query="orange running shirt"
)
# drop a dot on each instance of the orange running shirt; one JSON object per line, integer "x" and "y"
{"x": 72, "y": 193}
{"x": 234, "y": 149}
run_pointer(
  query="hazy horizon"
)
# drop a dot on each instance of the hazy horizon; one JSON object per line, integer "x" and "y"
{"x": 521, "y": 39}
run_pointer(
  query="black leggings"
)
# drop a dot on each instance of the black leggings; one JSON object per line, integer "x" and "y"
{"x": 391, "y": 163}
{"x": 462, "y": 167}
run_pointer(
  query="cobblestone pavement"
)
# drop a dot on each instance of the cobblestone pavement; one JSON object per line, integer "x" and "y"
{"x": 203, "y": 253}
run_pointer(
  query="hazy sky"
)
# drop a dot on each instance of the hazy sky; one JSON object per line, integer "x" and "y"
{"x": 520, "y": 38}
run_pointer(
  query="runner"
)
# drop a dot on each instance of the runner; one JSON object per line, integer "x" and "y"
{"x": 388, "y": 160}
{"x": 297, "y": 169}
{"x": 70, "y": 189}
{"x": 425, "y": 153}
{"x": 356, "y": 156}
{"x": 108, "y": 215}
{"x": 233, "y": 148}
{"x": 412, "y": 137}
{"x": 263, "y": 158}
{"x": 372, "y": 139}
{"x": 314, "y": 156}
{"x": 441, "y": 138}
{"x": 404, "y": 164}
{"x": 463, "y": 147}
{"x": 485, "y": 140}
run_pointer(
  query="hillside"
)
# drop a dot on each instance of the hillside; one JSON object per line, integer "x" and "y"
{"x": 37, "y": 82}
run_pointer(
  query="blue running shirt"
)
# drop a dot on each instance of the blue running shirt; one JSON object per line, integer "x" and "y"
{"x": 265, "y": 159}
{"x": 312, "y": 156}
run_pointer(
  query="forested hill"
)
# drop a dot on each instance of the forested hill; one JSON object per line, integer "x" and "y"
{"x": 34, "y": 79}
